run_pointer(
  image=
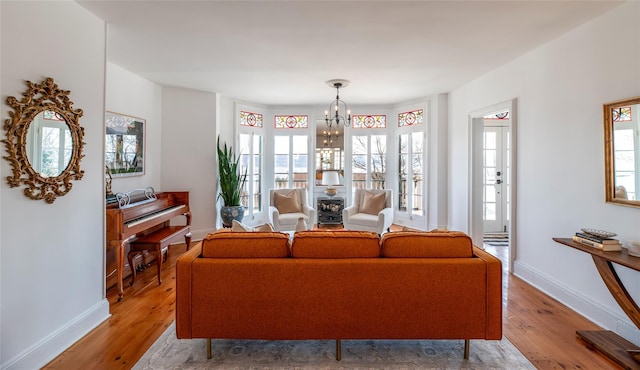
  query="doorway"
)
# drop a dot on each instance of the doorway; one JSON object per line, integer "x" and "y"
{"x": 492, "y": 185}
{"x": 495, "y": 182}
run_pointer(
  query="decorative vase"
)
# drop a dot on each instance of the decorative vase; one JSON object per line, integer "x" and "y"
{"x": 228, "y": 214}
{"x": 301, "y": 225}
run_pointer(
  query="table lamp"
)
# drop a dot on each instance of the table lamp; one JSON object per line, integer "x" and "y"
{"x": 330, "y": 178}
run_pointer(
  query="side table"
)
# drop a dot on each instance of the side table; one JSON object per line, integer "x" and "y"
{"x": 610, "y": 344}
{"x": 330, "y": 210}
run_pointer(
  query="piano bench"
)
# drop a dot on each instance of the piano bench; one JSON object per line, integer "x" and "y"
{"x": 157, "y": 242}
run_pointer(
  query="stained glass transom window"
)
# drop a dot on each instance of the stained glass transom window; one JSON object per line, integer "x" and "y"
{"x": 54, "y": 116}
{"x": 414, "y": 117}
{"x": 500, "y": 115}
{"x": 621, "y": 114}
{"x": 250, "y": 119}
{"x": 292, "y": 121}
{"x": 369, "y": 121}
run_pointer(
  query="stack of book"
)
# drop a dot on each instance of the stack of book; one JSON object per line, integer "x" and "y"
{"x": 604, "y": 244}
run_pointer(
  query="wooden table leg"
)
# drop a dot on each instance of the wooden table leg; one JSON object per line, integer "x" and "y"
{"x": 607, "y": 342}
{"x": 617, "y": 289}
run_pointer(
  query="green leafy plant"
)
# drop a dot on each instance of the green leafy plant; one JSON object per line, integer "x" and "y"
{"x": 231, "y": 176}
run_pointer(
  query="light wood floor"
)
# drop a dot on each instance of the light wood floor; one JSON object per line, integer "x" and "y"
{"x": 539, "y": 326}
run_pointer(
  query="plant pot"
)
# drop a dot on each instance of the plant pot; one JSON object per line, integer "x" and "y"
{"x": 228, "y": 214}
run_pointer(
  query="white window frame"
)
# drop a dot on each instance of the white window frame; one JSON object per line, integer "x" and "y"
{"x": 251, "y": 213}
{"x": 408, "y": 217}
{"x": 289, "y": 134}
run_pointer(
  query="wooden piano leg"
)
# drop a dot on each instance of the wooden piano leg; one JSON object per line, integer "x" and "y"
{"x": 119, "y": 250}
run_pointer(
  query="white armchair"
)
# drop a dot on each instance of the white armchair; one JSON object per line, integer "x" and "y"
{"x": 371, "y": 211}
{"x": 286, "y": 206}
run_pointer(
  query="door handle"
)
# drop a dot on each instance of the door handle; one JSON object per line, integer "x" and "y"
{"x": 498, "y": 182}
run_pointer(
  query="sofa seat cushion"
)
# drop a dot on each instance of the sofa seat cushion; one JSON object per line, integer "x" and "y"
{"x": 417, "y": 244}
{"x": 335, "y": 244}
{"x": 364, "y": 219}
{"x": 245, "y": 244}
{"x": 291, "y": 218}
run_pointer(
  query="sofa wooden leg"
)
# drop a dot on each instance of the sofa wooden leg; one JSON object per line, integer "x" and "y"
{"x": 338, "y": 350}
{"x": 208, "y": 348}
{"x": 466, "y": 349}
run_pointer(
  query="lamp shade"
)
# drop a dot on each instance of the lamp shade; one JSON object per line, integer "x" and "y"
{"x": 330, "y": 178}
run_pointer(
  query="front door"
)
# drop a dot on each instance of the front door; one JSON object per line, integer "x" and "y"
{"x": 495, "y": 167}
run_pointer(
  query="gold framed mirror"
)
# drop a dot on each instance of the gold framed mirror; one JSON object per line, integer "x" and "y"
{"x": 44, "y": 141}
{"x": 622, "y": 151}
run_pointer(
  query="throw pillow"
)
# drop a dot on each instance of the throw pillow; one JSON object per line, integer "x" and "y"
{"x": 372, "y": 203}
{"x": 238, "y": 226}
{"x": 264, "y": 228}
{"x": 287, "y": 203}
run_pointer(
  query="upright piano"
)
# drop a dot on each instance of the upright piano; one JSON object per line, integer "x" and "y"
{"x": 134, "y": 214}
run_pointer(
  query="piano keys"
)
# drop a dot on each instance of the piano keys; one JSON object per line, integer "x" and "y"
{"x": 137, "y": 213}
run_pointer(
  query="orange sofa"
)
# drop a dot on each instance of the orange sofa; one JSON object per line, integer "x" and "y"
{"x": 338, "y": 285}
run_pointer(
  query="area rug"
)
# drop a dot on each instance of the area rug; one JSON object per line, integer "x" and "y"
{"x": 171, "y": 353}
{"x": 496, "y": 239}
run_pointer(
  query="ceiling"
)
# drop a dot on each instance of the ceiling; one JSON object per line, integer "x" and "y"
{"x": 282, "y": 52}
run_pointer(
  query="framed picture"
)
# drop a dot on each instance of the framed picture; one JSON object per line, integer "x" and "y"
{"x": 124, "y": 145}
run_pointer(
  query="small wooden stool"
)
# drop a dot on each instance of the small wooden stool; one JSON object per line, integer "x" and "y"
{"x": 157, "y": 242}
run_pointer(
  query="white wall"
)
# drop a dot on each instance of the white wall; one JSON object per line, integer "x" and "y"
{"x": 52, "y": 255}
{"x": 560, "y": 88}
{"x": 188, "y": 152}
{"x": 132, "y": 95}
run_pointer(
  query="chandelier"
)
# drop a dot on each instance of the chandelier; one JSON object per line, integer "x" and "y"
{"x": 337, "y": 106}
{"x": 329, "y": 136}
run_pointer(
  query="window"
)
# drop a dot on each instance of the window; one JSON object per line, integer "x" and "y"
{"x": 369, "y": 121}
{"x": 369, "y": 164}
{"x": 250, "y": 119}
{"x": 251, "y": 158}
{"x": 411, "y": 173}
{"x": 291, "y": 121}
{"x": 624, "y": 158}
{"x": 414, "y": 117}
{"x": 55, "y": 149}
{"x": 291, "y": 161}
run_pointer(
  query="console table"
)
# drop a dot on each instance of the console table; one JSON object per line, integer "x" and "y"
{"x": 330, "y": 210}
{"x": 618, "y": 349}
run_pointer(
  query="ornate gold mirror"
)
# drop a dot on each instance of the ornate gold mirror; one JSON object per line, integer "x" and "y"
{"x": 622, "y": 151}
{"x": 44, "y": 141}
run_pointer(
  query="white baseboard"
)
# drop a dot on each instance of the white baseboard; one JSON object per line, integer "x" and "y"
{"x": 51, "y": 346}
{"x": 578, "y": 302}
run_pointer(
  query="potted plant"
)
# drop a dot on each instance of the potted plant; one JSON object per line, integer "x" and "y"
{"x": 232, "y": 180}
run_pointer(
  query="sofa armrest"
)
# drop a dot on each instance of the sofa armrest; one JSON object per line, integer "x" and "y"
{"x": 385, "y": 219}
{"x": 494, "y": 293}
{"x": 183, "y": 290}
{"x": 274, "y": 216}
{"x": 349, "y": 211}
{"x": 311, "y": 214}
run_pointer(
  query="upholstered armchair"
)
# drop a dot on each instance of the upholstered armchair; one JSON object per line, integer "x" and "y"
{"x": 286, "y": 206}
{"x": 372, "y": 210}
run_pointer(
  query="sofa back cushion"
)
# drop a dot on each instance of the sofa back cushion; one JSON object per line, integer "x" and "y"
{"x": 335, "y": 244}
{"x": 421, "y": 244}
{"x": 240, "y": 244}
